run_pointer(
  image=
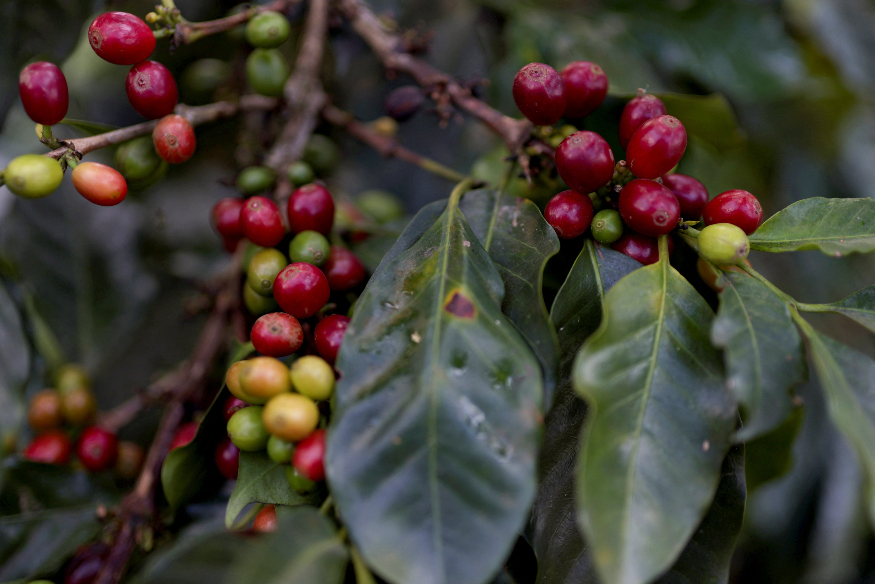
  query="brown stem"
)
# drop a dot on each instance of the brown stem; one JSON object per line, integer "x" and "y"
{"x": 188, "y": 32}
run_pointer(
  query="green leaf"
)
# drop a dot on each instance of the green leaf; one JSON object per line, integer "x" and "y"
{"x": 431, "y": 453}
{"x": 770, "y": 457}
{"x": 14, "y": 369}
{"x": 762, "y": 351}
{"x": 90, "y": 128}
{"x": 708, "y": 117}
{"x": 29, "y": 486}
{"x": 520, "y": 241}
{"x": 660, "y": 424}
{"x": 859, "y": 306}
{"x": 834, "y": 226}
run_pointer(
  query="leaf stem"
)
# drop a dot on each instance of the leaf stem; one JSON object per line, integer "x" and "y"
{"x": 327, "y": 505}
{"x": 663, "y": 248}
{"x": 362, "y": 573}
{"x": 779, "y": 293}
{"x": 459, "y": 190}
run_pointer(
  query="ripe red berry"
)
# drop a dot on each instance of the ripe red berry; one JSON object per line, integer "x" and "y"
{"x": 226, "y": 217}
{"x": 637, "y": 111}
{"x": 277, "y": 334}
{"x": 586, "y": 86}
{"x": 649, "y": 208}
{"x": 151, "y": 90}
{"x": 311, "y": 208}
{"x": 309, "y": 456}
{"x": 43, "y": 90}
{"x": 585, "y": 161}
{"x": 691, "y": 194}
{"x": 174, "y": 139}
{"x": 121, "y": 38}
{"x": 261, "y": 222}
{"x": 184, "y": 434}
{"x": 569, "y": 213}
{"x": 738, "y": 207}
{"x": 101, "y": 184}
{"x": 52, "y": 447}
{"x": 265, "y": 520}
{"x": 301, "y": 289}
{"x": 227, "y": 459}
{"x": 539, "y": 92}
{"x": 641, "y": 247}
{"x": 232, "y": 404}
{"x": 97, "y": 449}
{"x": 343, "y": 269}
{"x": 656, "y": 147}
{"x": 328, "y": 336}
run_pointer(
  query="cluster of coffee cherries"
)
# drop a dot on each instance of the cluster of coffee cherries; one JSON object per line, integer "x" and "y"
{"x": 58, "y": 415}
{"x": 628, "y": 204}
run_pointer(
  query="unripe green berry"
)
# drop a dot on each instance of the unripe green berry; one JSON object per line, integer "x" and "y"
{"x": 246, "y": 430}
{"x": 255, "y": 179}
{"x": 33, "y": 176}
{"x": 263, "y": 269}
{"x": 137, "y": 160}
{"x": 267, "y": 30}
{"x": 257, "y": 304}
{"x": 723, "y": 244}
{"x": 279, "y": 450}
{"x": 70, "y": 377}
{"x": 311, "y": 247}
{"x": 381, "y": 206}
{"x": 299, "y": 483}
{"x": 249, "y": 253}
{"x": 312, "y": 376}
{"x": 201, "y": 80}
{"x": 322, "y": 154}
{"x": 267, "y": 71}
{"x": 300, "y": 173}
{"x": 607, "y": 226}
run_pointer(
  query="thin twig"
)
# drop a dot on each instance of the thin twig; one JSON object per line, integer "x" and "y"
{"x": 188, "y": 32}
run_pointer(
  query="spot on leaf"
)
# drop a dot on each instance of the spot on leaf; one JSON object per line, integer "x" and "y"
{"x": 460, "y": 306}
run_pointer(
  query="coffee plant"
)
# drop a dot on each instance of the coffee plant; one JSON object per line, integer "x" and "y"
{"x": 588, "y": 356}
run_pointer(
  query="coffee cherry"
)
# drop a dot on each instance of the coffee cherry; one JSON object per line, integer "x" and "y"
{"x": 322, "y": 154}
{"x": 52, "y": 447}
{"x": 311, "y": 208}
{"x": 301, "y": 289}
{"x": 78, "y": 406}
{"x": 257, "y": 304}
{"x": 138, "y": 162}
{"x": 343, "y": 269}
{"x": 381, "y": 206}
{"x": 328, "y": 336}
{"x": 226, "y": 217}
{"x": 247, "y": 431}
{"x": 309, "y": 457}
{"x": 690, "y": 193}
{"x": 265, "y": 520}
{"x": 607, "y": 226}
{"x": 277, "y": 334}
{"x": 232, "y": 382}
{"x": 586, "y": 86}
{"x": 649, "y": 208}
{"x": 279, "y": 450}
{"x": 403, "y": 103}
{"x": 723, "y": 243}
{"x": 71, "y": 376}
{"x": 44, "y": 411}
{"x": 656, "y": 147}
{"x": 312, "y": 376}
{"x": 174, "y": 139}
{"x": 101, "y": 184}
{"x": 121, "y": 38}
{"x": 585, "y": 161}
{"x": 97, "y": 449}
{"x": 263, "y": 270}
{"x": 311, "y": 247}
{"x": 261, "y": 222}
{"x": 151, "y": 90}
{"x": 264, "y": 377}
{"x": 738, "y": 207}
{"x": 569, "y": 213}
{"x": 231, "y": 405}
{"x": 130, "y": 460}
{"x": 33, "y": 176}
{"x": 255, "y": 179}
{"x": 227, "y": 457}
{"x": 184, "y": 435}
{"x": 267, "y": 30}
{"x": 640, "y": 247}
{"x": 202, "y": 79}
{"x": 300, "y": 173}
{"x": 637, "y": 111}
{"x": 267, "y": 71}
{"x": 298, "y": 482}
{"x": 711, "y": 275}
{"x": 291, "y": 416}
{"x": 43, "y": 90}
{"x": 539, "y": 92}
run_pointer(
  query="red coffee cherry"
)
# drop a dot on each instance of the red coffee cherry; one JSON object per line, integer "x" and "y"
{"x": 265, "y": 520}
{"x": 539, "y": 92}
{"x": 309, "y": 456}
{"x": 585, "y": 161}
{"x": 328, "y": 336}
{"x": 184, "y": 435}
{"x": 43, "y": 90}
{"x": 343, "y": 269}
{"x": 301, "y": 289}
{"x": 640, "y": 247}
{"x": 121, "y": 38}
{"x": 656, "y": 147}
{"x": 97, "y": 449}
{"x": 311, "y": 208}
{"x": 261, "y": 222}
{"x": 691, "y": 194}
{"x": 174, "y": 139}
{"x": 586, "y": 86}
{"x": 226, "y": 218}
{"x": 232, "y": 404}
{"x": 649, "y": 208}
{"x": 227, "y": 459}
{"x": 277, "y": 334}
{"x": 738, "y": 207}
{"x": 101, "y": 184}
{"x": 637, "y": 111}
{"x": 151, "y": 90}
{"x": 52, "y": 447}
{"x": 569, "y": 213}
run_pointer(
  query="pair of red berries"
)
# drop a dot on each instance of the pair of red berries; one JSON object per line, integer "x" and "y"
{"x": 545, "y": 96}
{"x": 96, "y": 449}
{"x": 279, "y": 335}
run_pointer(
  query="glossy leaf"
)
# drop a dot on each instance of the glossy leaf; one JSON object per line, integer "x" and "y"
{"x": 762, "y": 352}
{"x": 659, "y": 426}
{"x": 14, "y": 367}
{"x": 431, "y": 453}
{"x": 90, "y": 128}
{"x": 30, "y": 486}
{"x": 520, "y": 241}
{"x": 834, "y": 226}
{"x": 859, "y": 306}
{"x": 770, "y": 456}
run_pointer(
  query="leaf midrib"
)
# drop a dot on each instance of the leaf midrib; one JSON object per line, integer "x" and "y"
{"x": 754, "y": 343}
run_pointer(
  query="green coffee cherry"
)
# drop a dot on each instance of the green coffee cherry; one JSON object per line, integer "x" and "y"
{"x": 33, "y": 176}
{"x": 257, "y": 304}
{"x": 279, "y": 450}
{"x": 607, "y": 226}
{"x": 201, "y": 80}
{"x": 312, "y": 376}
{"x": 300, "y": 173}
{"x": 267, "y": 71}
{"x": 136, "y": 159}
{"x": 322, "y": 154}
{"x": 299, "y": 483}
{"x": 267, "y": 30}
{"x": 381, "y": 206}
{"x": 71, "y": 377}
{"x": 311, "y": 247}
{"x": 723, "y": 244}
{"x": 247, "y": 431}
{"x": 249, "y": 253}
{"x": 263, "y": 269}
{"x": 255, "y": 179}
